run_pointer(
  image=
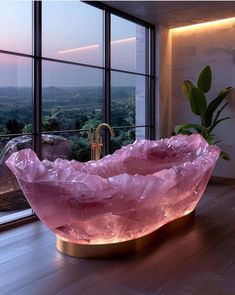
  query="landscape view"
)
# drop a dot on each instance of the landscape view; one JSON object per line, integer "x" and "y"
{"x": 67, "y": 108}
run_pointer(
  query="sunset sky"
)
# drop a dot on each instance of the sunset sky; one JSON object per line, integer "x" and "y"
{"x": 71, "y": 31}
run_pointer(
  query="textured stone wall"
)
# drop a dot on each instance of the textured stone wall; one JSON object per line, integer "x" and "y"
{"x": 163, "y": 82}
{"x": 192, "y": 49}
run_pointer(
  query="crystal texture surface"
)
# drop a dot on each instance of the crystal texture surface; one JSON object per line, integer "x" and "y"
{"x": 123, "y": 196}
{"x": 11, "y": 197}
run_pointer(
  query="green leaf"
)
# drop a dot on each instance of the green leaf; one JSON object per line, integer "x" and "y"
{"x": 186, "y": 88}
{"x": 217, "y": 116}
{"x": 217, "y": 122}
{"x": 185, "y": 131}
{"x": 197, "y": 101}
{"x": 224, "y": 156}
{"x": 210, "y": 138}
{"x": 204, "y": 80}
{"x": 179, "y": 128}
{"x": 218, "y": 141}
{"x": 213, "y": 105}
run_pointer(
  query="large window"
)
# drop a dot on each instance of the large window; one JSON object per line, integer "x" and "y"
{"x": 128, "y": 45}
{"x": 16, "y": 67}
{"x": 72, "y": 31}
{"x": 16, "y": 26}
{"x": 66, "y": 67}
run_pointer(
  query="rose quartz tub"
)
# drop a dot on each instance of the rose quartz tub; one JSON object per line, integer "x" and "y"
{"x": 121, "y": 197}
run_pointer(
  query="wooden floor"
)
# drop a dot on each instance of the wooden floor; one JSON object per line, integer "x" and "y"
{"x": 197, "y": 260}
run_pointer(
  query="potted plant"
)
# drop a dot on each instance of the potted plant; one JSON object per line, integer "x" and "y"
{"x": 209, "y": 113}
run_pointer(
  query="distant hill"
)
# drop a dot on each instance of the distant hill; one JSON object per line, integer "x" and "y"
{"x": 15, "y": 91}
{"x": 74, "y": 104}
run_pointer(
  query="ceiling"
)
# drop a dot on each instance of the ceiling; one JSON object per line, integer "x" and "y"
{"x": 176, "y": 13}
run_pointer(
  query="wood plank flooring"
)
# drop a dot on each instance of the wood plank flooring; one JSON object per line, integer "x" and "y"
{"x": 197, "y": 260}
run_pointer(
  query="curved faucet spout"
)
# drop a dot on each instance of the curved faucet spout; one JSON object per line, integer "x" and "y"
{"x": 102, "y": 125}
{"x": 97, "y": 145}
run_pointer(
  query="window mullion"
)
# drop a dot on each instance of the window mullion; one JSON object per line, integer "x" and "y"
{"x": 151, "y": 100}
{"x": 37, "y": 78}
{"x": 107, "y": 78}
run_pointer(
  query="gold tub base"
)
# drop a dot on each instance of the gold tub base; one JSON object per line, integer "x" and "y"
{"x": 95, "y": 251}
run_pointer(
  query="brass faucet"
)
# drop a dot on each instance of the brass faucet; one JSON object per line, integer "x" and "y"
{"x": 97, "y": 145}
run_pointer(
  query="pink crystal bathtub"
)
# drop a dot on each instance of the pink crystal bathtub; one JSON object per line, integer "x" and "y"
{"x": 121, "y": 197}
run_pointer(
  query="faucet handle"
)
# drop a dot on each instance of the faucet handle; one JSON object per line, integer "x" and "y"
{"x": 91, "y": 135}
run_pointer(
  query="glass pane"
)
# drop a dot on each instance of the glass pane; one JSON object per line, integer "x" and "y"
{"x": 72, "y": 96}
{"x": 15, "y": 93}
{"x": 16, "y": 26}
{"x": 124, "y": 136}
{"x": 67, "y": 145}
{"x": 128, "y": 45}
{"x": 72, "y": 31}
{"x": 12, "y": 200}
{"x": 127, "y": 99}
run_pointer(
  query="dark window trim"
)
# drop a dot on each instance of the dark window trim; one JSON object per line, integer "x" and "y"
{"x": 107, "y": 78}
{"x": 16, "y": 53}
{"x": 18, "y": 222}
{"x": 152, "y": 101}
{"x": 37, "y": 79}
{"x": 14, "y": 134}
{"x": 75, "y": 63}
{"x": 94, "y": 66}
